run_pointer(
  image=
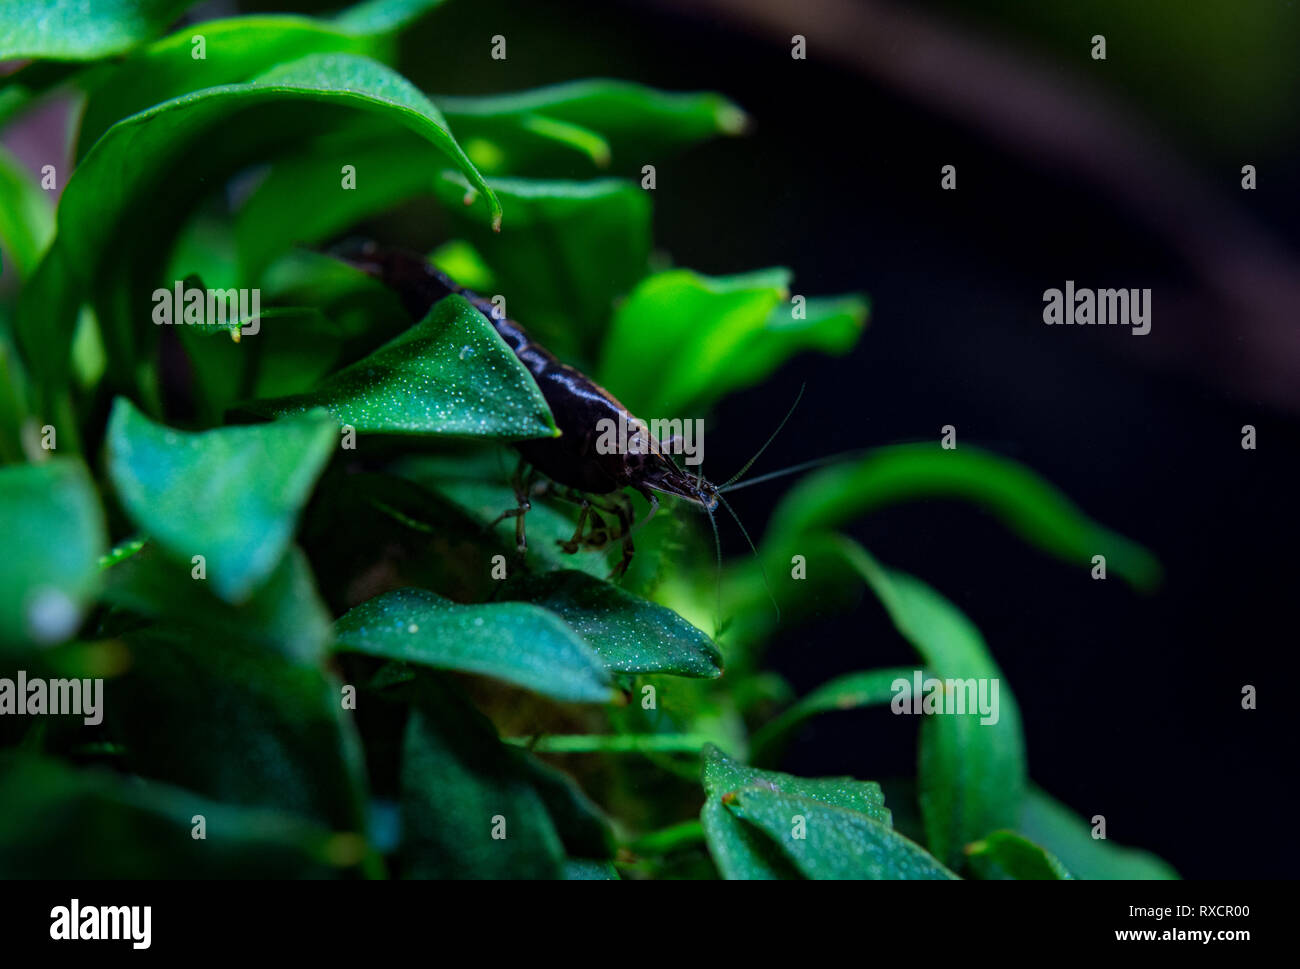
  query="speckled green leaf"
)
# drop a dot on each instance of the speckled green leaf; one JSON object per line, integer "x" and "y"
{"x": 237, "y": 48}
{"x": 459, "y": 783}
{"x": 630, "y": 634}
{"x": 743, "y": 851}
{"x": 1069, "y": 838}
{"x": 54, "y": 533}
{"x": 1007, "y": 855}
{"x": 971, "y": 775}
{"x": 683, "y": 340}
{"x": 285, "y": 614}
{"x": 1028, "y": 505}
{"x": 449, "y": 375}
{"x": 232, "y": 494}
{"x": 837, "y": 842}
{"x": 511, "y": 641}
{"x": 846, "y": 692}
{"x": 81, "y": 30}
{"x": 62, "y": 822}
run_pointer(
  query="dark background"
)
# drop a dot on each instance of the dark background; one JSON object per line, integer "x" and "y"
{"x": 1131, "y": 703}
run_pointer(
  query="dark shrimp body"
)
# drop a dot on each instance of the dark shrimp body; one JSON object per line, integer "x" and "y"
{"x": 577, "y": 402}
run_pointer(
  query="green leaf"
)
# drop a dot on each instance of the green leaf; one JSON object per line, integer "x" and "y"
{"x": 231, "y": 495}
{"x": 835, "y": 842}
{"x": 1028, "y": 505}
{"x": 77, "y": 30}
{"x": 94, "y": 824}
{"x": 54, "y": 533}
{"x": 682, "y": 340}
{"x": 459, "y": 784}
{"x": 601, "y": 119}
{"x": 1069, "y": 837}
{"x": 285, "y": 614}
{"x": 742, "y": 851}
{"x": 568, "y": 251}
{"x": 971, "y": 774}
{"x": 630, "y": 634}
{"x": 583, "y": 828}
{"x": 587, "y": 871}
{"x": 237, "y": 49}
{"x": 26, "y": 217}
{"x": 848, "y": 692}
{"x": 512, "y": 641}
{"x": 450, "y": 375}
{"x": 129, "y": 166}
{"x": 229, "y": 719}
{"x": 1006, "y": 855}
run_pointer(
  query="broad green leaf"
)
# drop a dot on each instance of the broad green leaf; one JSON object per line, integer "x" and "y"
{"x": 848, "y": 692}
{"x": 26, "y": 218}
{"x": 81, "y": 30}
{"x": 227, "y": 718}
{"x": 236, "y": 49}
{"x": 678, "y": 331}
{"x": 722, "y": 775}
{"x": 1034, "y": 509}
{"x": 742, "y": 851}
{"x": 568, "y": 251}
{"x": 630, "y": 634}
{"x": 1006, "y": 855}
{"x": 833, "y": 842}
{"x": 232, "y": 494}
{"x": 516, "y": 642}
{"x": 583, "y": 828}
{"x": 130, "y": 167}
{"x": 61, "y": 822}
{"x": 459, "y": 785}
{"x": 450, "y": 375}
{"x": 285, "y": 614}
{"x": 586, "y": 871}
{"x": 602, "y": 119}
{"x": 1069, "y": 838}
{"x": 971, "y": 774}
{"x": 54, "y": 533}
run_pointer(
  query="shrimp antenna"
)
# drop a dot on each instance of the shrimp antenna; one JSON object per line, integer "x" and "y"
{"x": 717, "y": 544}
{"x": 793, "y": 469}
{"x": 762, "y": 571}
{"x": 748, "y": 464}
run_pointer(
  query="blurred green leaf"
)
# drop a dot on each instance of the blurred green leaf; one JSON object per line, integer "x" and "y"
{"x": 682, "y": 340}
{"x": 286, "y": 613}
{"x": 460, "y": 784}
{"x": 54, "y": 534}
{"x": 582, "y": 826}
{"x": 512, "y": 641}
{"x": 848, "y": 692}
{"x": 1034, "y": 509}
{"x": 602, "y": 119}
{"x": 92, "y": 824}
{"x": 232, "y": 720}
{"x": 1006, "y": 855}
{"x": 128, "y": 166}
{"x": 589, "y": 871}
{"x": 232, "y": 494}
{"x": 1069, "y": 837}
{"x": 26, "y": 217}
{"x": 237, "y": 49}
{"x": 971, "y": 774}
{"x": 567, "y": 252}
{"x": 76, "y": 30}
{"x": 833, "y": 842}
{"x": 630, "y": 634}
{"x": 450, "y": 375}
